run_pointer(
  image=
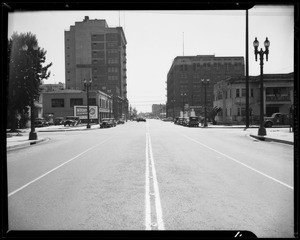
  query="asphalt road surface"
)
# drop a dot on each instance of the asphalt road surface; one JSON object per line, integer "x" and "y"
{"x": 152, "y": 175}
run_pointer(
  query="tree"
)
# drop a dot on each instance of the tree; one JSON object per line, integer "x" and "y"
{"x": 25, "y": 74}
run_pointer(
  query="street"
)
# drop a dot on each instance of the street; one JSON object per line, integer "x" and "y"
{"x": 152, "y": 175}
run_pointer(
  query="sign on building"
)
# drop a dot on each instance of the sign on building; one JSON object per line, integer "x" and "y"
{"x": 81, "y": 112}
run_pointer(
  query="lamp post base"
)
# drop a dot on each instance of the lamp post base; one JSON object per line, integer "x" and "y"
{"x": 32, "y": 136}
{"x": 88, "y": 126}
{"x": 262, "y": 131}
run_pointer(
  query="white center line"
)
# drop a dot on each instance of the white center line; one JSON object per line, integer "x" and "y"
{"x": 147, "y": 192}
{"x": 158, "y": 208}
{"x": 253, "y": 169}
{"x": 45, "y": 174}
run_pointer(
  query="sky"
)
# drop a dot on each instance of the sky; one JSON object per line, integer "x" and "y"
{"x": 156, "y": 38}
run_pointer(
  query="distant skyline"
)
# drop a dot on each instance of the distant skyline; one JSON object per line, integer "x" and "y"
{"x": 156, "y": 38}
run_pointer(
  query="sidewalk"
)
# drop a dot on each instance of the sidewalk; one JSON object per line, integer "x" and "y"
{"x": 15, "y": 140}
{"x": 21, "y": 139}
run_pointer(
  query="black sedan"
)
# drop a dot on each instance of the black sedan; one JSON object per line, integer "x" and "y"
{"x": 140, "y": 119}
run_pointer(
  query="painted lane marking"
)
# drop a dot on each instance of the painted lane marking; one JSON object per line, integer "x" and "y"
{"x": 151, "y": 180}
{"x": 45, "y": 174}
{"x": 160, "y": 223}
{"x": 147, "y": 191}
{"x": 253, "y": 169}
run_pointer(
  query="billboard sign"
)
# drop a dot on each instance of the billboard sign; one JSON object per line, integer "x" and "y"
{"x": 81, "y": 112}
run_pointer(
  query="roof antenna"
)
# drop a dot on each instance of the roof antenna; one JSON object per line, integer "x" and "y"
{"x": 183, "y": 43}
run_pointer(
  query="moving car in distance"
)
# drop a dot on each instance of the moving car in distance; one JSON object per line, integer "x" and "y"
{"x": 140, "y": 119}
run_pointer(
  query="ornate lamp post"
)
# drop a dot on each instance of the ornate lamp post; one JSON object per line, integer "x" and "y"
{"x": 32, "y": 134}
{"x": 183, "y": 95}
{"x": 205, "y": 82}
{"x": 87, "y": 87}
{"x": 261, "y": 131}
{"x": 110, "y": 103}
{"x": 173, "y": 102}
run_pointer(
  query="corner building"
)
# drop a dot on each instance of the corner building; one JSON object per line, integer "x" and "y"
{"x": 185, "y": 75}
{"x": 94, "y": 51}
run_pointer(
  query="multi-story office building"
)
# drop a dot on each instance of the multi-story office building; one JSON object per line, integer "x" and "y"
{"x": 185, "y": 90}
{"x": 230, "y": 97}
{"x": 94, "y": 51}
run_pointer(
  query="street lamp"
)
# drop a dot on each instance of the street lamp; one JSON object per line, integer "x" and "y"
{"x": 173, "y": 102}
{"x": 205, "y": 82}
{"x": 110, "y": 103}
{"x": 261, "y": 131}
{"x": 87, "y": 87}
{"x": 183, "y": 95}
{"x": 32, "y": 134}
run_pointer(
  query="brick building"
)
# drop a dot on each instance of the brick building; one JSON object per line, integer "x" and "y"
{"x": 185, "y": 76}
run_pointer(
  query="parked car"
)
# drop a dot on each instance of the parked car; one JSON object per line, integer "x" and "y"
{"x": 277, "y": 119}
{"x": 107, "y": 123}
{"x": 72, "y": 121}
{"x": 180, "y": 121}
{"x": 140, "y": 119}
{"x": 193, "y": 122}
{"x": 168, "y": 119}
{"x": 40, "y": 122}
{"x": 120, "y": 121}
{"x": 58, "y": 121}
{"x": 186, "y": 121}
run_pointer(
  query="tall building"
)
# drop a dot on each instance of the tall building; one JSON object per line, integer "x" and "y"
{"x": 185, "y": 90}
{"x": 94, "y": 51}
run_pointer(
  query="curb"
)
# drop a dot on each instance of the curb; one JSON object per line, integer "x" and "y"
{"x": 27, "y": 144}
{"x": 262, "y": 138}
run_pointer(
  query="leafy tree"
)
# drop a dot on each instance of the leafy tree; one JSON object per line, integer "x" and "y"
{"x": 25, "y": 74}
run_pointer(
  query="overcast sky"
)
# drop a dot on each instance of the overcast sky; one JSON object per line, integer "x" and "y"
{"x": 155, "y": 38}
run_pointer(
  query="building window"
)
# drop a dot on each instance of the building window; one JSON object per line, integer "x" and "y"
{"x": 76, "y": 102}
{"x": 113, "y": 78}
{"x": 243, "y": 92}
{"x": 219, "y": 95}
{"x": 112, "y": 70}
{"x": 237, "y": 93}
{"x": 112, "y": 37}
{"x": 251, "y": 92}
{"x": 98, "y": 37}
{"x": 238, "y": 111}
{"x": 243, "y": 111}
{"x": 57, "y": 102}
{"x": 92, "y": 101}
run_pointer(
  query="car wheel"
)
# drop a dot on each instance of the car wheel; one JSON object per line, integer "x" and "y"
{"x": 268, "y": 125}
